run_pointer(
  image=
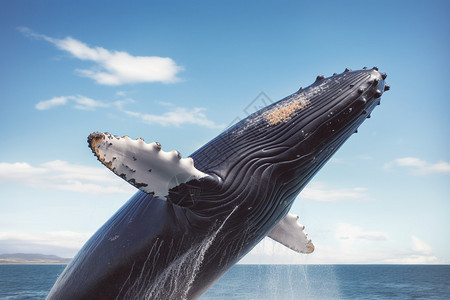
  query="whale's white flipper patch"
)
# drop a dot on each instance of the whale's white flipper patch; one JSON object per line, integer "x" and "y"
{"x": 290, "y": 233}
{"x": 143, "y": 165}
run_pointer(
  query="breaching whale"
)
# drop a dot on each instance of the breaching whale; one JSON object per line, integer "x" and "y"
{"x": 193, "y": 218}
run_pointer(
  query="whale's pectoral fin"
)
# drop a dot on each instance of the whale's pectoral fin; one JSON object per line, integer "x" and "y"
{"x": 290, "y": 233}
{"x": 143, "y": 165}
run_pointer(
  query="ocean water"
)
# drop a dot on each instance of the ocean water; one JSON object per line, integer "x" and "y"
{"x": 264, "y": 282}
{"x": 27, "y": 281}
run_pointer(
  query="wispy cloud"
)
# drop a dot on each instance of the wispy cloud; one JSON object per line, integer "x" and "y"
{"x": 351, "y": 233}
{"x": 122, "y": 93}
{"x": 359, "y": 245}
{"x": 364, "y": 157}
{"x": 55, "y": 101}
{"x": 62, "y": 243}
{"x": 320, "y": 192}
{"x": 419, "y": 253}
{"x": 420, "y": 246}
{"x": 176, "y": 117}
{"x": 113, "y": 67}
{"x": 78, "y": 101}
{"x": 420, "y": 167}
{"x": 61, "y": 175}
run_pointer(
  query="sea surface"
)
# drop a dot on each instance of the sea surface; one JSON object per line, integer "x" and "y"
{"x": 261, "y": 282}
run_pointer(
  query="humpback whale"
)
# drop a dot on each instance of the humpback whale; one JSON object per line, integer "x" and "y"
{"x": 193, "y": 218}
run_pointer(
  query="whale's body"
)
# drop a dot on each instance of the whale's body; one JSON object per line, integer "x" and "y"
{"x": 196, "y": 218}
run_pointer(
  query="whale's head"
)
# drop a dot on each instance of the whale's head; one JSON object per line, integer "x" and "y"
{"x": 277, "y": 150}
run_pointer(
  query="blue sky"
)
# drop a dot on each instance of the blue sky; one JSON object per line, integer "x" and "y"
{"x": 178, "y": 73}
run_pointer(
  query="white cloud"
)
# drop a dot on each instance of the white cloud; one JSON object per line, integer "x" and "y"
{"x": 351, "y": 233}
{"x": 176, "y": 117}
{"x": 419, "y": 166}
{"x": 61, "y": 175}
{"x": 80, "y": 102}
{"x": 410, "y": 162}
{"x": 19, "y": 170}
{"x": 86, "y": 103}
{"x": 118, "y": 67}
{"x": 420, "y": 246}
{"x": 55, "y": 101}
{"x": 319, "y": 192}
{"x": 163, "y": 103}
{"x": 357, "y": 245}
{"x": 61, "y": 243}
{"x": 413, "y": 259}
{"x": 114, "y": 67}
{"x": 419, "y": 253}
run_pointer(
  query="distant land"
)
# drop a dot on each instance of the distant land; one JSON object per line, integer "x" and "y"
{"x": 32, "y": 258}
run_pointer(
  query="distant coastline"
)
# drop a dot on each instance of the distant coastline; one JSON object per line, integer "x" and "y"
{"x": 32, "y": 259}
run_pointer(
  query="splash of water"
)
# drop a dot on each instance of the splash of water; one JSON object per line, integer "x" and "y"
{"x": 177, "y": 279}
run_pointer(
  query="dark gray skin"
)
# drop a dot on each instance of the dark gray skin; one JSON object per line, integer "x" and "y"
{"x": 176, "y": 248}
